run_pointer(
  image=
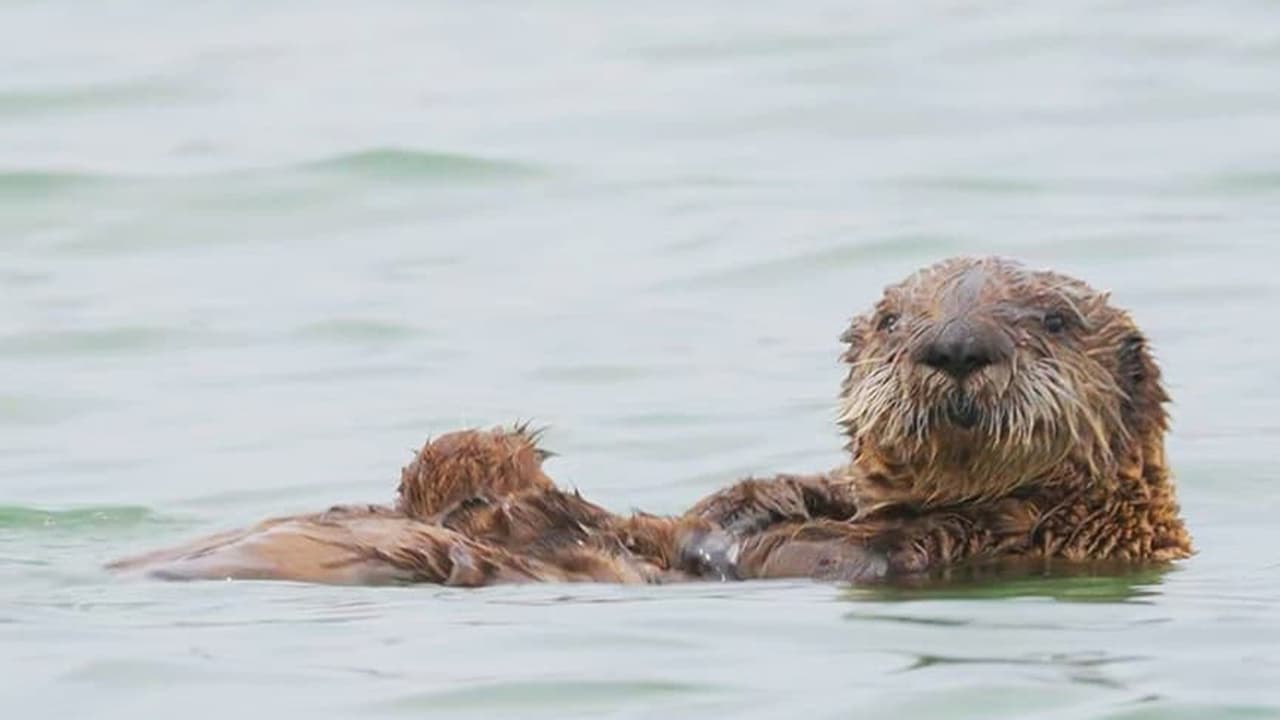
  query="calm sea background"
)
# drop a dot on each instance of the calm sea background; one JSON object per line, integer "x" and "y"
{"x": 251, "y": 254}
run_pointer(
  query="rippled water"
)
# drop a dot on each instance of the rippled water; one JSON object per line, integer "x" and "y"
{"x": 252, "y": 254}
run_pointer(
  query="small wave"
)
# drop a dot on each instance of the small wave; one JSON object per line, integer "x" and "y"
{"x": 22, "y": 409}
{"x": 48, "y": 101}
{"x": 526, "y": 695}
{"x": 1245, "y": 183}
{"x": 101, "y": 516}
{"x": 980, "y": 185}
{"x": 81, "y": 342}
{"x": 356, "y": 329}
{"x": 1084, "y": 660}
{"x": 24, "y": 183}
{"x": 388, "y": 164}
{"x": 404, "y": 164}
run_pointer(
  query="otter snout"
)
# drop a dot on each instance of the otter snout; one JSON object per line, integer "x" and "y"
{"x": 962, "y": 348}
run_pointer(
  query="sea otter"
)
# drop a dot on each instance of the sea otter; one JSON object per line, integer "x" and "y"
{"x": 994, "y": 414}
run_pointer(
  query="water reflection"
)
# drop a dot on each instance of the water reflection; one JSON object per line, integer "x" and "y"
{"x": 1082, "y": 583}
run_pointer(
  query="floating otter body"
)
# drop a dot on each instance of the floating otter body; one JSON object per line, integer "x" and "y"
{"x": 473, "y": 508}
{"x": 993, "y": 414}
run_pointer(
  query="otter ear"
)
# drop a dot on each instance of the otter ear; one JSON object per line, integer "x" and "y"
{"x": 1139, "y": 377}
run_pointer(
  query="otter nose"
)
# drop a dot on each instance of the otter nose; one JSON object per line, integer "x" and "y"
{"x": 960, "y": 350}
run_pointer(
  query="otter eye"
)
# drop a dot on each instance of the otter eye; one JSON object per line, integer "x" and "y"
{"x": 1055, "y": 322}
{"x": 887, "y": 322}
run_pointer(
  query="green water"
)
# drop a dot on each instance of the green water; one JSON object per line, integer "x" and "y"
{"x": 251, "y": 254}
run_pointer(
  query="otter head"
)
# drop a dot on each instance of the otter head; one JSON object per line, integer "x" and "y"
{"x": 471, "y": 463}
{"x": 975, "y": 377}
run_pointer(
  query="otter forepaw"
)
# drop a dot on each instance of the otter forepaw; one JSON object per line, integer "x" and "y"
{"x": 709, "y": 553}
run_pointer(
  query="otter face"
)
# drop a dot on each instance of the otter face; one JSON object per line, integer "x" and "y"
{"x": 973, "y": 377}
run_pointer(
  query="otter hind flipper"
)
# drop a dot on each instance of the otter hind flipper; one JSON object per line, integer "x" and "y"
{"x": 471, "y": 464}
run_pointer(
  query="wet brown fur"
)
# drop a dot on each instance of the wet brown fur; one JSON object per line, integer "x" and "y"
{"x": 1064, "y": 462}
{"x": 462, "y": 465}
{"x": 473, "y": 508}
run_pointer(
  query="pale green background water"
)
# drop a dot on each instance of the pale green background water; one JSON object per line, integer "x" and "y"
{"x": 251, "y": 254}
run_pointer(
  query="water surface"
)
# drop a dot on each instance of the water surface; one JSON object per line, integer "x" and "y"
{"x": 251, "y": 255}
